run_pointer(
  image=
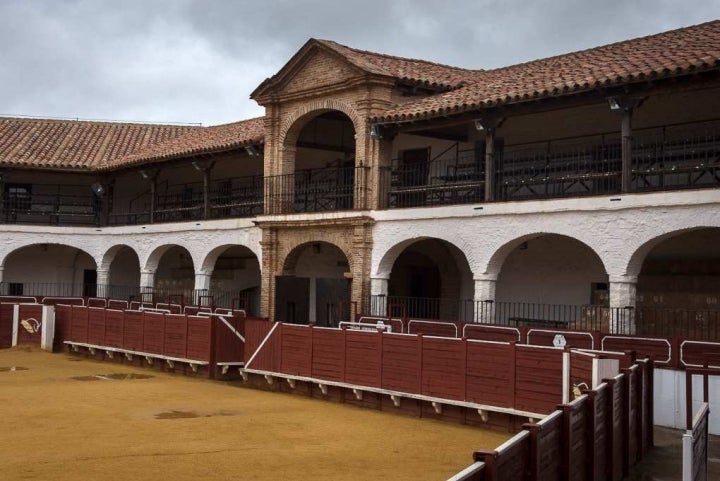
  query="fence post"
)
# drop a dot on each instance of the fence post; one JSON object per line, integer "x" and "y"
{"x": 213, "y": 345}
{"x": 513, "y": 370}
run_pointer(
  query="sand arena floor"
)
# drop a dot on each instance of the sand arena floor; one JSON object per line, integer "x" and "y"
{"x": 167, "y": 427}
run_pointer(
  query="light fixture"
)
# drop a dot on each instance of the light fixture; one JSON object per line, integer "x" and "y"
{"x": 144, "y": 174}
{"x": 98, "y": 189}
{"x": 252, "y": 150}
{"x": 197, "y": 165}
{"x": 375, "y": 132}
{"x": 479, "y": 124}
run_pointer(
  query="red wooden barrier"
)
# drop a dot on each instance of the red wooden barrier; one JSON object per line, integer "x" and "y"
{"x": 6, "y": 324}
{"x": 133, "y": 334}
{"x": 296, "y": 348}
{"x": 228, "y": 347}
{"x": 510, "y": 462}
{"x": 444, "y": 366}
{"x": 402, "y": 359}
{"x": 199, "y": 338}
{"x": 63, "y": 322}
{"x": 491, "y": 373}
{"x": 363, "y": 358}
{"x": 153, "y": 333}
{"x": 575, "y": 452}
{"x": 258, "y": 331}
{"x": 576, "y": 339}
{"x": 328, "y": 354}
{"x": 599, "y": 432}
{"x": 79, "y": 324}
{"x": 176, "y": 335}
{"x": 581, "y": 370}
{"x": 538, "y": 378}
{"x": 96, "y": 326}
{"x": 660, "y": 350}
{"x": 546, "y": 441}
{"x": 114, "y": 327}
{"x": 484, "y": 332}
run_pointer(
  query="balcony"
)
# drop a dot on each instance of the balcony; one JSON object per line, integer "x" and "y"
{"x": 661, "y": 159}
{"x": 66, "y": 206}
{"x": 317, "y": 190}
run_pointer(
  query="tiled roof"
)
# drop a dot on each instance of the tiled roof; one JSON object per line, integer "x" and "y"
{"x": 71, "y": 144}
{"x": 198, "y": 141}
{"x": 673, "y": 53}
{"x": 408, "y": 70}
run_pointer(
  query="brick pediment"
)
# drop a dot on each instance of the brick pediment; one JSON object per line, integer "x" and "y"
{"x": 318, "y": 69}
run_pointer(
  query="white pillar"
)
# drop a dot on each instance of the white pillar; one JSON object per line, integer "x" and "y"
{"x": 623, "y": 294}
{"x": 3, "y": 287}
{"x": 202, "y": 285}
{"x": 484, "y": 298}
{"x": 102, "y": 282}
{"x": 147, "y": 284}
{"x": 378, "y": 292}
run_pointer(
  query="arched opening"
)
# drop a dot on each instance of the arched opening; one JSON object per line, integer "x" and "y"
{"x": 49, "y": 270}
{"x": 175, "y": 276}
{"x": 124, "y": 274}
{"x": 682, "y": 271}
{"x": 315, "y": 286}
{"x": 235, "y": 279}
{"x": 551, "y": 278}
{"x": 430, "y": 279}
{"x": 324, "y": 172}
{"x": 553, "y": 269}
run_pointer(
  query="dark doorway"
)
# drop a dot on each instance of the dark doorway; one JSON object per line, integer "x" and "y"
{"x": 292, "y": 299}
{"x": 332, "y": 301}
{"x": 89, "y": 283}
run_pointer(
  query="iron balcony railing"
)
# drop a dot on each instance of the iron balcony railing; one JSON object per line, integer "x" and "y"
{"x": 50, "y": 209}
{"x": 672, "y": 157}
{"x": 690, "y": 323}
{"x": 317, "y": 190}
{"x": 56, "y": 292}
{"x": 453, "y": 177}
{"x": 558, "y": 171}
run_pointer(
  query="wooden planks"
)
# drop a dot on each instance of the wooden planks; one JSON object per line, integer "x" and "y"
{"x": 6, "y": 325}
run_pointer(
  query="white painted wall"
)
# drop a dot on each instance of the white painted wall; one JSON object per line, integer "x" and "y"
{"x": 550, "y": 269}
{"x": 125, "y": 269}
{"x": 670, "y": 399}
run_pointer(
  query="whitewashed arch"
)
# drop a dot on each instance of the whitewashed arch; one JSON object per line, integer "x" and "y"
{"x": 111, "y": 253}
{"x": 497, "y": 259}
{"x": 207, "y": 266}
{"x": 387, "y": 260}
{"x": 76, "y": 245}
{"x": 152, "y": 260}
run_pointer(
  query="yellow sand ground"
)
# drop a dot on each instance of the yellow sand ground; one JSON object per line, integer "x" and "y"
{"x": 53, "y": 427}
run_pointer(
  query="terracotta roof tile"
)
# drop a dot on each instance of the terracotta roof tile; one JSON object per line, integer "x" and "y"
{"x": 197, "y": 141}
{"x": 421, "y": 72}
{"x": 71, "y": 144}
{"x": 672, "y": 53}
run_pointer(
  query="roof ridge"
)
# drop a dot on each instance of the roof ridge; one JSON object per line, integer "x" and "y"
{"x": 601, "y": 47}
{"x": 97, "y": 122}
{"x": 396, "y": 57}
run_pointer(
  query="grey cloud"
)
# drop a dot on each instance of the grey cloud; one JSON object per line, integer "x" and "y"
{"x": 198, "y": 60}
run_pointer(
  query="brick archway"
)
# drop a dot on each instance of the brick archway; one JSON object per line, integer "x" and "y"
{"x": 292, "y": 125}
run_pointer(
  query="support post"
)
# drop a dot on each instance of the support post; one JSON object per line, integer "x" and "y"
{"x": 626, "y": 135}
{"x": 490, "y": 125}
{"x": 378, "y": 295}
{"x": 484, "y": 298}
{"x": 102, "y": 282}
{"x": 623, "y": 294}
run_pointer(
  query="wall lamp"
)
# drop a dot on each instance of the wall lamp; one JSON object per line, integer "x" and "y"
{"x": 376, "y": 132}
{"x": 197, "y": 165}
{"x": 479, "y": 124}
{"x": 144, "y": 174}
{"x": 618, "y": 103}
{"x": 252, "y": 151}
{"x": 98, "y": 189}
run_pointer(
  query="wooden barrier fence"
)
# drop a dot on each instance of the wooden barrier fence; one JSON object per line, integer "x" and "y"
{"x": 595, "y": 437}
{"x": 525, "y": 379}
{"x": 201, "y": 342}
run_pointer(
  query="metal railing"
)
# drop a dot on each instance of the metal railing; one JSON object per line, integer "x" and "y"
{"x": 317, "y": 190}
{"x": 689, "y": 323}
{"x": 453, "y": 177}
{"x": 247, "y": 299}
{"x": 50, "y": 209}
{"x": 558, "y": 171}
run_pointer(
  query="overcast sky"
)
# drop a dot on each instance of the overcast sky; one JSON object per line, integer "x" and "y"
{"x": 198, "y": 60}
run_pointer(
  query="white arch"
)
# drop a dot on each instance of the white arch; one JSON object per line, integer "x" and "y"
{"x": 4, "y": 256}
{"x": 111, "y": 253}
{"x": 152, "y": 260}
{"x": 638, "y": 255}
{"x": 387, "y": 261}
{"x": 207, "y": 266}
